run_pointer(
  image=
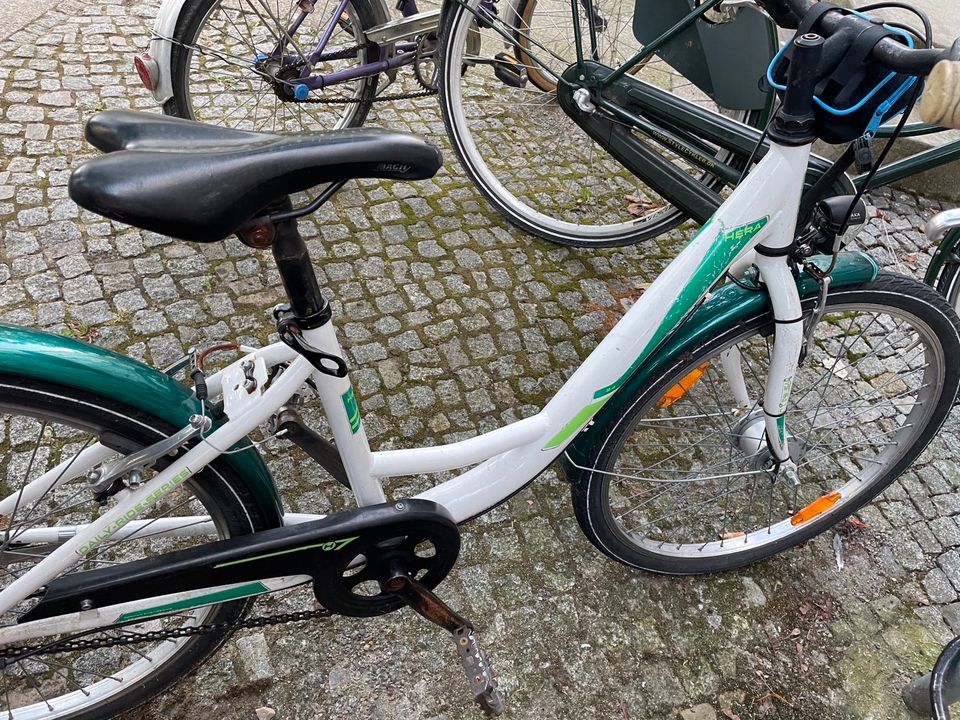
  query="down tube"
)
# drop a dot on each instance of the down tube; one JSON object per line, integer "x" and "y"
{"x": 763, "y": 207}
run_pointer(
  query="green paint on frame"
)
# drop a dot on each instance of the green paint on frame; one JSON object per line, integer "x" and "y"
{"x": 329, "y": 546}
{"x": 353, "y": 410}
{"x": 579, "y": 420}
{"x": 724, "y": 250}
{"x": 235, "y": 593}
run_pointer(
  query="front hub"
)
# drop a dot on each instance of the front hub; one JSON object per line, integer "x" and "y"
{"x": 749, "y": 435}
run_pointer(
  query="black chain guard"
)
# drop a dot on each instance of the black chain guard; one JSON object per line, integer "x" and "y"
{"x": 353, "y": 587}
{"x": 323, "y": 549}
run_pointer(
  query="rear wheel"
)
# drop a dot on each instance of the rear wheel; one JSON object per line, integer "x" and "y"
{"x": 227, "y": 67}
{"x": 530, "y": 160}
{"x": 680, "y": 480}
{"x": 43, "y": 426}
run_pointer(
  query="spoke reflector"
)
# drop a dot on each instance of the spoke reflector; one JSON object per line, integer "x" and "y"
{"x": 817, "y": 507}
{"x": 681, "y": 388}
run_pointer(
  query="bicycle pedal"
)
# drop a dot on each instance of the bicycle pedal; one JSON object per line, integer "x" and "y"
{"x": 483, "y": 684}
{"x": 509, "y": 70}
{"x": 479, "y": 672}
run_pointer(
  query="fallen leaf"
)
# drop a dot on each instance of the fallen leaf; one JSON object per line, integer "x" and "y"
{"x": 795, "y": 632}
{"x": 838, "y": 550}
{"x": 729, "y": 714}
{"x": 911, "y": 258}
{"x": 804, "y": 607}
{"x": 265, "y": 713}
{"x": 857, "y": 522}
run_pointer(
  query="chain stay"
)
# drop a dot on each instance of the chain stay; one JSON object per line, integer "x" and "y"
{"x": 15, "y": 653}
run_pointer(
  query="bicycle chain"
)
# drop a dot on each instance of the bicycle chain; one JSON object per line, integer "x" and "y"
{"x": 339, "y": 55}
{"x": 14, "y": 653}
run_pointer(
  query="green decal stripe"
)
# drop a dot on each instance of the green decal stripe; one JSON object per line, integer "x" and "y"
{"x": 241, "y": 591}
{"x": 578, "y": 422}
{"x": 339, "y": 544}
{"x": 353, "y": 410}
{"x": 726, "y": 247}
{"x": 723, "y": 251}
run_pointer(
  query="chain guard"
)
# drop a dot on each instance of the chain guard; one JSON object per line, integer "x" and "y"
{"x": 321, "y": 549}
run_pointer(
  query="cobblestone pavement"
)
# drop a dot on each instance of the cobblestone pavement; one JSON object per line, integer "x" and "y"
{"x": 455, "y": 322}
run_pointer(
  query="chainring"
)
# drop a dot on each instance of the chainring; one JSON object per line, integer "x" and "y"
{"x": 353, "y": 586}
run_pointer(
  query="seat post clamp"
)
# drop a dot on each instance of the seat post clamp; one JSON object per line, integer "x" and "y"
{"x": 290, "y": 328}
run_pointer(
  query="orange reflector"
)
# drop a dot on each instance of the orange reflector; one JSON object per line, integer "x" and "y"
{"x": 817, "y": 507}
{"x": 681, "y": 388}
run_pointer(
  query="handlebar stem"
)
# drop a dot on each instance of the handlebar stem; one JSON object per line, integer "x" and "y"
{"x": 795, "y": 122}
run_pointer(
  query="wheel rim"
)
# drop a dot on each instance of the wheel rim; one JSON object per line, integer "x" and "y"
{"x": 855, "y": 420}
{"x": 568, "y": 187}
{"x": 62, "y": 685}
{"x": 222, "y": 85}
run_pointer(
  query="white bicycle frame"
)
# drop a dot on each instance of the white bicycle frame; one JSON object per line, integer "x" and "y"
{"x": 763, "y": 209}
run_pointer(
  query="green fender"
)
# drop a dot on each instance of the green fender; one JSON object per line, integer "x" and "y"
{"x": 946, "y": 252}
{"x": 725, "y": 308}
{"x": 71, "y": 363}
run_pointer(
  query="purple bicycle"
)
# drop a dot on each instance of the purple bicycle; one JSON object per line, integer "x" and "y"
{"x": 288, "y": 66}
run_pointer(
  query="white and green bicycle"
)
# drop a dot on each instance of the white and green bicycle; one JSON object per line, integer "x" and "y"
{"x": 712, "y": 427}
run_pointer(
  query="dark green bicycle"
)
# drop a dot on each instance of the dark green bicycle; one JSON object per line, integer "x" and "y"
{"x": 675, "y": 122}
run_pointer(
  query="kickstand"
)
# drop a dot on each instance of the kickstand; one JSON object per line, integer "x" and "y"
{"x": 479, "y": 672}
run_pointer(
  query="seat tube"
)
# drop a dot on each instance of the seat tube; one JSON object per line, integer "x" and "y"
{"x": 343, "y": 414}
{"x": 336, "y": 394}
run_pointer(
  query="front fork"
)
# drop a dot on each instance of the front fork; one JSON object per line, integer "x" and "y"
{"x": 785, "y": 357}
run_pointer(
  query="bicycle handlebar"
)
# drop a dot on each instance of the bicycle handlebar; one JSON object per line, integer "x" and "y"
{"x": 888, "y": 53}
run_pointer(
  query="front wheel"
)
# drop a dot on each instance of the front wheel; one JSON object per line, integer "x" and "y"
{"x": 45, "y": 426}
{"x": 527, "y": 157}
{"x": 237, "y": 63}
{"x": 680, "y": 479}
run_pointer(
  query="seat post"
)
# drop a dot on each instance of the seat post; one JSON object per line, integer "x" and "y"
{"x": 292, "y": 258}
{"x": 296, "y": 271}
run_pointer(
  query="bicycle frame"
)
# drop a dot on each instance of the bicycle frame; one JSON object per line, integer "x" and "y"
{"x": 761, "y": 210}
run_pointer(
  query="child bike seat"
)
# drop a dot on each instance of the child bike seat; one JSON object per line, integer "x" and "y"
{"x": 182, "y": 179}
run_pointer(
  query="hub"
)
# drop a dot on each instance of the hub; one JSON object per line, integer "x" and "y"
{"x": 282, "y": 79}
{"x": 749, "y": 435}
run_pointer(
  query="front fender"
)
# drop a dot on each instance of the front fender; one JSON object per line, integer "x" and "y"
{"x": 71, "y": 363}
{"x": 946, "y": 252}
{"x": 164, "y": 27}
{"x": 727, "y": 307}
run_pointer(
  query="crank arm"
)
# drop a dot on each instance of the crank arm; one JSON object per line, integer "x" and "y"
{"x": 479, "y": 672}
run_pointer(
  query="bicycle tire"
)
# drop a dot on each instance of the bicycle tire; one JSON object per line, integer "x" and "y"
{"x": 948, "y": 284}
{"x": 618, "y": 504}
{"x": 56, "y": 415}
{"x": 584, "y": 198}
{"x": 204, "y": 90}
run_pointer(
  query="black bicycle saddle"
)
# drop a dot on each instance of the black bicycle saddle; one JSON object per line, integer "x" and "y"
{"x": 201, "y": 183}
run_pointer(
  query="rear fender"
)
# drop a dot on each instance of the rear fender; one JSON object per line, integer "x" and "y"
{"x": 70, "y": 363}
